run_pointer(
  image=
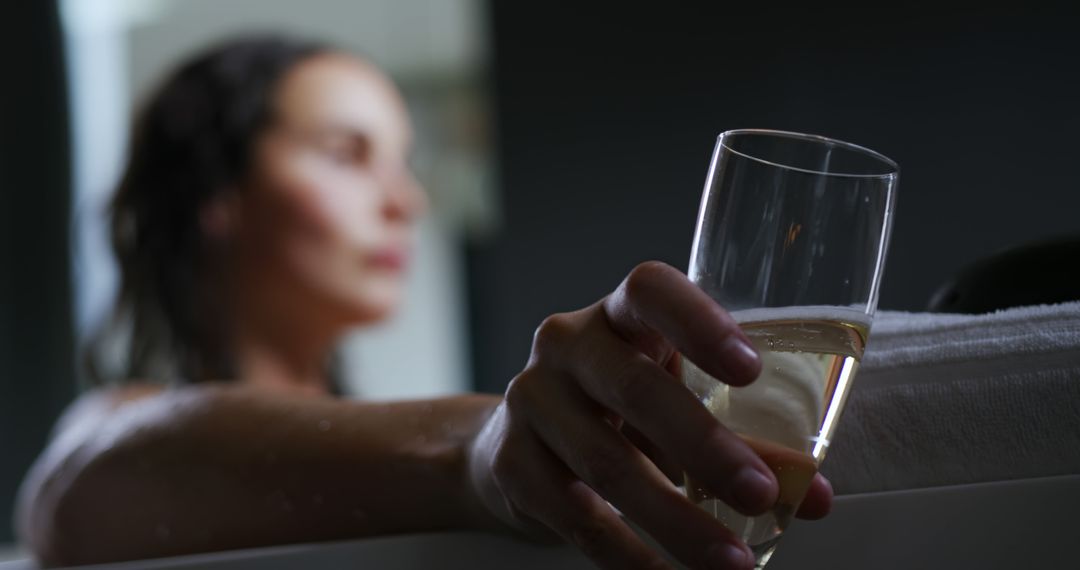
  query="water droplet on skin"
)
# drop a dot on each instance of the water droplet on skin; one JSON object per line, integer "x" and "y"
{"x": 324, "y": 425}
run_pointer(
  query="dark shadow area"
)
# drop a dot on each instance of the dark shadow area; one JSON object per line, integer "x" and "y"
{"x": 606, "y": 119}
{"x": 36, "y": 364}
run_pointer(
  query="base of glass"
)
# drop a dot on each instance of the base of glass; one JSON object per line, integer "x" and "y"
{"x": 764, "y": 551}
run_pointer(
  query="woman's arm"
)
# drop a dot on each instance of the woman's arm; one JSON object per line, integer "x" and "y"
{"x": 144, "y": 473}
{"x": 597, "y": 416}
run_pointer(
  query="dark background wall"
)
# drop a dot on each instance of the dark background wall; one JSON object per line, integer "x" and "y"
{"x": 607, "y": 117}
{"x": 36, "y": 378}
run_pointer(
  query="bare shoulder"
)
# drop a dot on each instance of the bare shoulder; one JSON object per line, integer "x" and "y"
{"x": 68, "y": 450}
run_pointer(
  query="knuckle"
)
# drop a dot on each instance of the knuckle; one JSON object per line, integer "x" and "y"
{"x": 642, "y": 277}
{"x": 520, "y": 391}
{"x": 514, "y": 391}
{"x": 554, "y": 331}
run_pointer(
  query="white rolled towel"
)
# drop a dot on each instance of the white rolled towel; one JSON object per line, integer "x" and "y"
{"x": 953, "y": 399}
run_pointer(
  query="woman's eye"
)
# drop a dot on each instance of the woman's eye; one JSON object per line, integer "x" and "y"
{"x": 343, "y": 154}
{"x": 347, "y": 153}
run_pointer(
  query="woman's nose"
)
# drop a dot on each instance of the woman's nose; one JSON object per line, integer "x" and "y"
{"x": 405, "y": 197}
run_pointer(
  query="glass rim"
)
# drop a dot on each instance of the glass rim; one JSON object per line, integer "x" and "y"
{"x": 895, "y": 168}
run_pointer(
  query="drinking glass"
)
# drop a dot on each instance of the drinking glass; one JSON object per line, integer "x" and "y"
{"x": 791, "y": 239}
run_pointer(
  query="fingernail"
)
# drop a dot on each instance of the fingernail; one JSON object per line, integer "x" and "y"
{"x": 742, "y": 361}
{"x": 726, "y": 555}
{"x": 754, "y": 491}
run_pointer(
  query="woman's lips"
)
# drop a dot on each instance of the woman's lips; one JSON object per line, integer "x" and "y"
{"x": 394, "y": 259}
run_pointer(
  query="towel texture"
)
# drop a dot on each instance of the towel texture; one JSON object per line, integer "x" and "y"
{"x": 953, "y": 399}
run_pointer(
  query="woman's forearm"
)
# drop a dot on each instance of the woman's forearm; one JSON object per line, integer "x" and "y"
{"x": 212, "y": 468}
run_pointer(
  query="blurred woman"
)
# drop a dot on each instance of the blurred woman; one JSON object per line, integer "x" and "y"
{"x": 267, "y": 208}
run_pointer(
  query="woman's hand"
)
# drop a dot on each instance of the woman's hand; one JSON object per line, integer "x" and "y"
{"x": 599, "y": 415}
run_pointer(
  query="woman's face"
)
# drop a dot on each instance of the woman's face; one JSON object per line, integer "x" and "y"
{"x": 323, "y": 225}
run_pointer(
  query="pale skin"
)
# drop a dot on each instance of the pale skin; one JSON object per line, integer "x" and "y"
{"x": 315, "y": 244}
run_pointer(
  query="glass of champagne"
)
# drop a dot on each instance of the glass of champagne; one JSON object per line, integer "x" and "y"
{"x": 791, "y": 239}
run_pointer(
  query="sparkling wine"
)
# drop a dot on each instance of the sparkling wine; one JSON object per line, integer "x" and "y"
{"x": 789, "y": 413}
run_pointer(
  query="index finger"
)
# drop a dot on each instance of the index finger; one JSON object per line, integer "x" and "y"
{"x": 659, "y": 310}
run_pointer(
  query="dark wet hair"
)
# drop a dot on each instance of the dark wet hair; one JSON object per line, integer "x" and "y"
{"x": 192, "y": 141}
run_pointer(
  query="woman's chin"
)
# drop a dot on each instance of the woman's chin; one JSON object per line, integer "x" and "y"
{"x": 373, "y": 310}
